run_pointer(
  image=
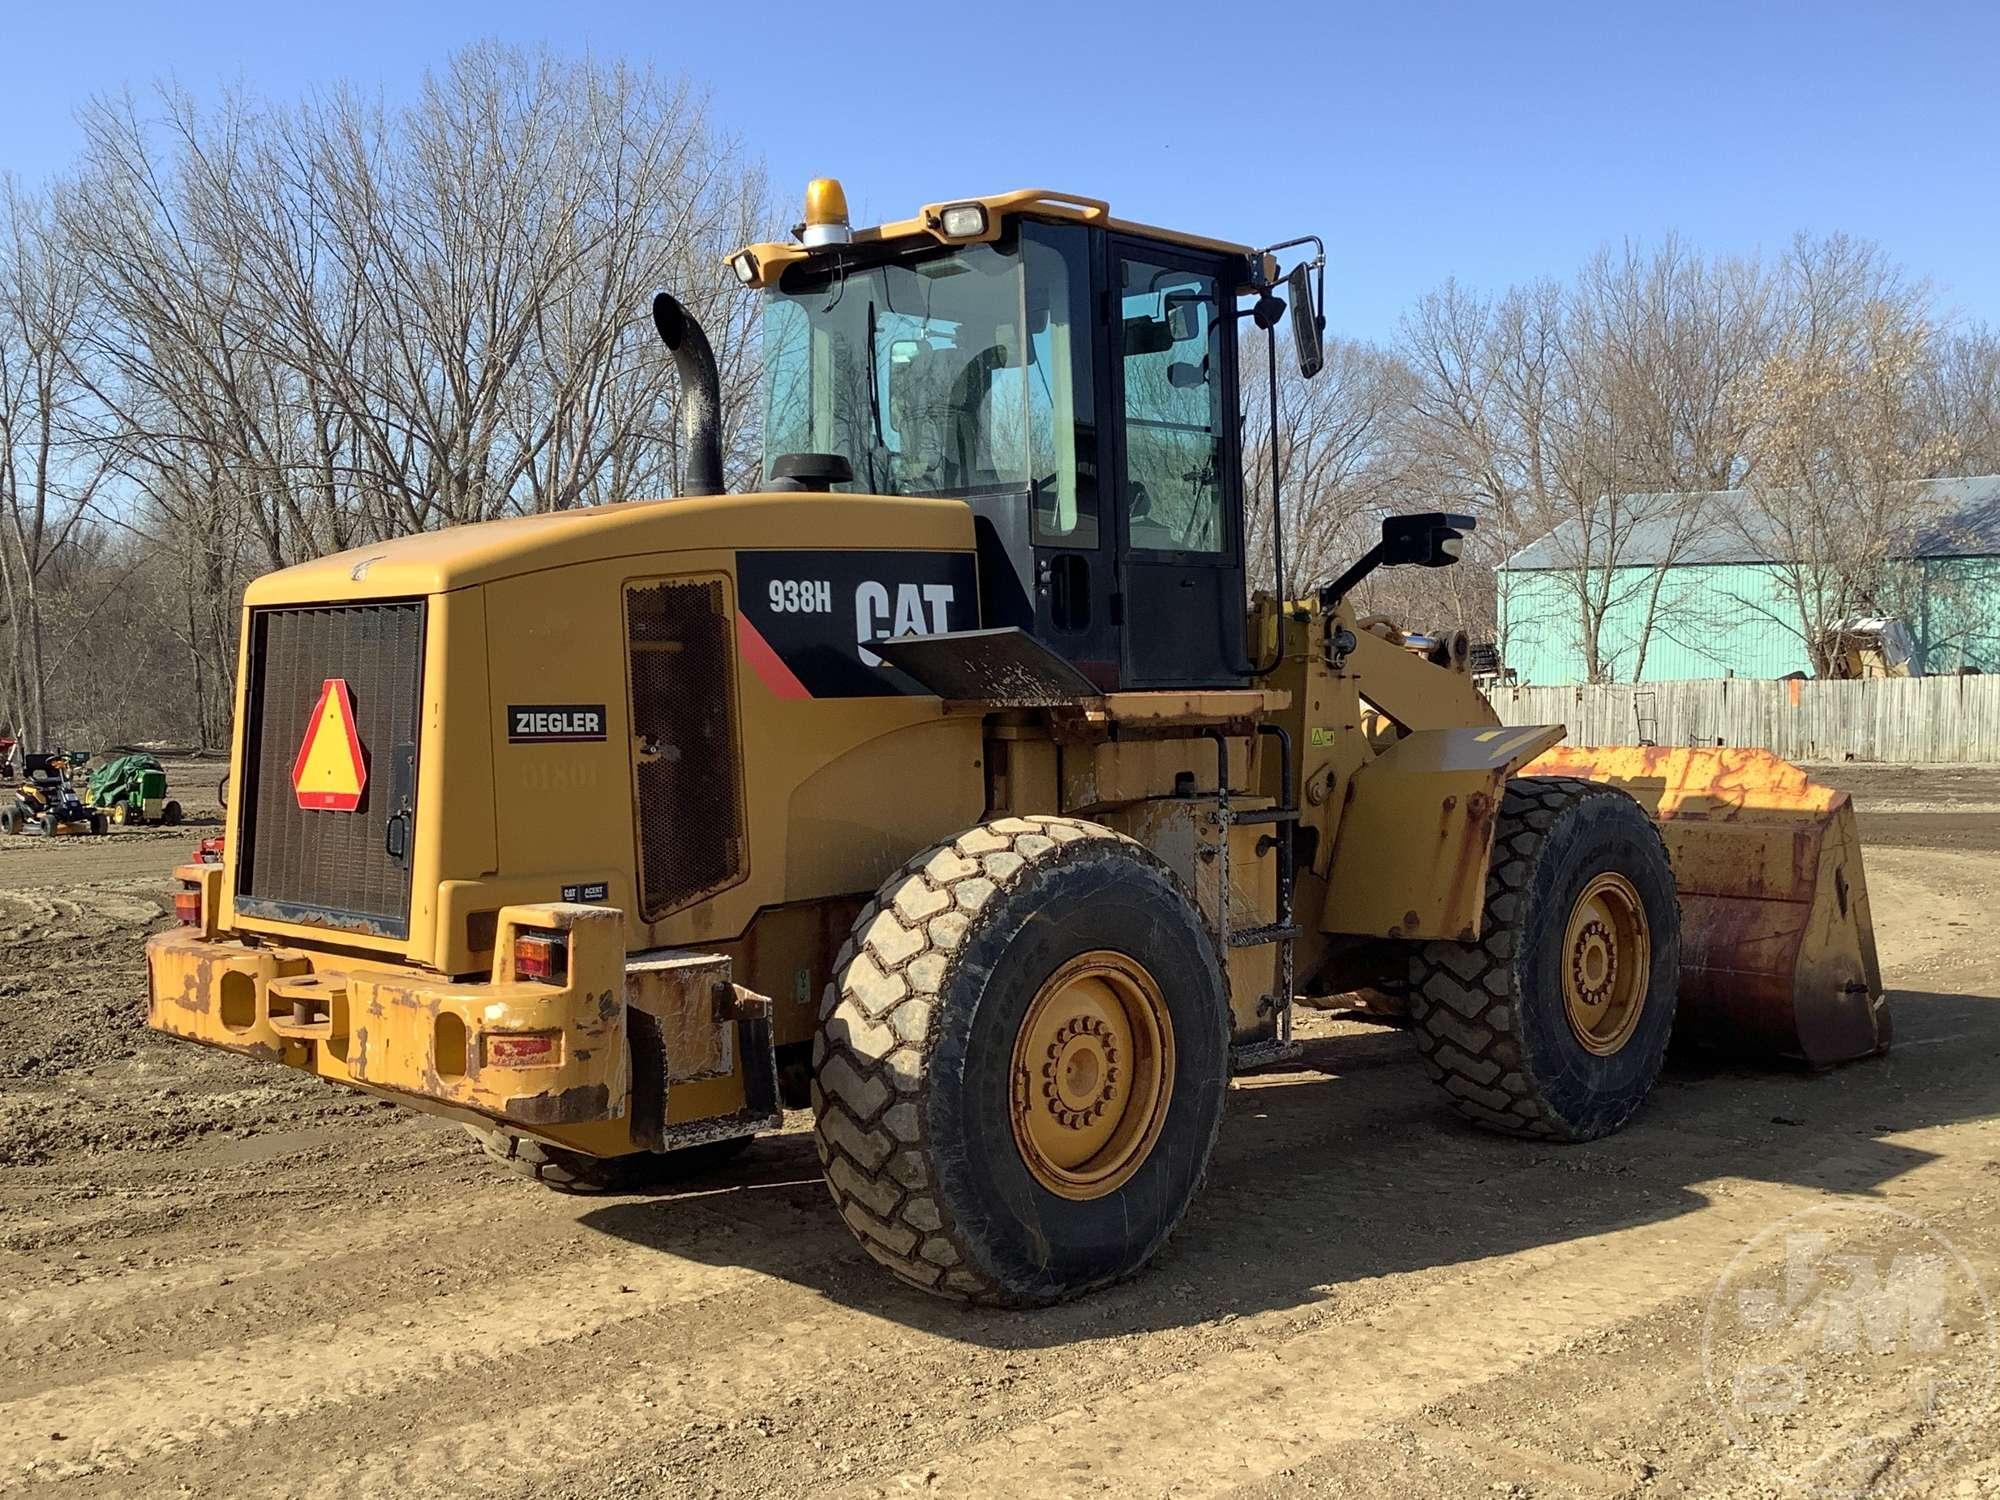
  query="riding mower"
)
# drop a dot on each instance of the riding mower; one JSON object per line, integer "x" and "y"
{"x": 133, "y": 789}
{"x": 46, "y": 798}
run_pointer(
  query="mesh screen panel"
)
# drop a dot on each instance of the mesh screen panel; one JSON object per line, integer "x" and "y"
{"x": 330, "y": 868}
{"x": 689, "y": 773}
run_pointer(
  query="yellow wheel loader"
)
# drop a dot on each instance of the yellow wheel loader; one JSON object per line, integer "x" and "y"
{"x": 946, "y": 784}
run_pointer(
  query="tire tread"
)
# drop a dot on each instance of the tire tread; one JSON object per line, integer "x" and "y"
{"x": 1462, "y": 998}
{"x": 869, "y": 1111}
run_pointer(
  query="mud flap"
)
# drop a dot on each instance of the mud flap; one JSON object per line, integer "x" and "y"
{"x": 1777, "y": 945}
{"x": 691, "y": 1027}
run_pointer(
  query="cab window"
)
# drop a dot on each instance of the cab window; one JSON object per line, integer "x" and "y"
{"x": 1172, "y": 362}
{"x": 947, "y": 372}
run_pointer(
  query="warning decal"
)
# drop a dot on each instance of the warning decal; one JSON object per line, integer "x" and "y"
{"x": 330, "y": 772}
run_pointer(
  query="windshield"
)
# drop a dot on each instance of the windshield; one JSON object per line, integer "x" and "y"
{"x": 944, "y": 374}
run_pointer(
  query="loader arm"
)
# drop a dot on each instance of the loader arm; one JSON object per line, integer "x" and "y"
{"x": 1410, "y": 690}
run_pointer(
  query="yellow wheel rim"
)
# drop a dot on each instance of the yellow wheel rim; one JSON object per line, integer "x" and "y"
{"x": 1607, "y": 959}
{"x": 1093, "y": 1071}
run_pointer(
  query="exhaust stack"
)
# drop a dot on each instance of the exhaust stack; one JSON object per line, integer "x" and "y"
{"x": 701, "y": 394}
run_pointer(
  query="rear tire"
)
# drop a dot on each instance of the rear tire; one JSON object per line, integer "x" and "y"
{"x": 577, "y": 1172}
{"x": 1537, "y": 1029}
{"x": 170, "y": 815}
{"x": 1021, "y": 1063}
{"x": 13, "y": 820}
{"x": 99, "y": 824}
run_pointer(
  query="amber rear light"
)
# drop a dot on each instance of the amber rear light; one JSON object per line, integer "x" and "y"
{"x": 541, "y": 956}
{"x": 187, "y": 904}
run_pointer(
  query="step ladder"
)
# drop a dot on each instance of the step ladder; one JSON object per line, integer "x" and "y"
{"x": 1281, "y": 934}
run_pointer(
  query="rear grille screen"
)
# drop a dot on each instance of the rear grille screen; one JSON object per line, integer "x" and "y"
{"x": 688, "y": 776}
{"x": 333, "y": 869}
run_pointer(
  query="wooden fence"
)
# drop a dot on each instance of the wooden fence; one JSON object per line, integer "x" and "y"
{"x": 1893, "y": 719}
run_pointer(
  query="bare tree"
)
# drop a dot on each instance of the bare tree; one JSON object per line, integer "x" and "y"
{"x": 1959, "y": 398}
{"x": 1836, "y": 436}
{"x": 50, "y": 472}
{"x": 1339, "y": 465}
{"x": 1588, "y": 416}
{"x": 310, "y": 327}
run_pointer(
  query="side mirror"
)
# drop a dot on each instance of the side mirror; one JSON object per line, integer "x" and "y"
{"x": 1305, "y": 321}
{"x": 1431, "y": 539}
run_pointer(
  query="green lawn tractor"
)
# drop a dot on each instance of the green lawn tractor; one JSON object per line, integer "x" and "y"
{"x": 133, "y": 789}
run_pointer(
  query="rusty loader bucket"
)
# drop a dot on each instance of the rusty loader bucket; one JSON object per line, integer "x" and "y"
{"x": 1777, "y": 948}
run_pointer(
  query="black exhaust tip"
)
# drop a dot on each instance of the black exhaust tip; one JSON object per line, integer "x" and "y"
{"x": 701, "y": 394}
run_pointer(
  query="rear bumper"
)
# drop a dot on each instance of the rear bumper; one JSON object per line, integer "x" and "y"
{"x": 648, "y": 1053}
{"x": 528, "y": 1054}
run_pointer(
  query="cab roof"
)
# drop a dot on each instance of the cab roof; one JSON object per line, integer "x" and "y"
{"x": 772, "y": 257}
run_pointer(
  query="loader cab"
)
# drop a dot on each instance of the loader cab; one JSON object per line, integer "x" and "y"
{"x": 1076, "y": 386}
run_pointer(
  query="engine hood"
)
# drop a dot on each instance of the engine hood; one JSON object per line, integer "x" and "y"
{"x": 435, "y": 562}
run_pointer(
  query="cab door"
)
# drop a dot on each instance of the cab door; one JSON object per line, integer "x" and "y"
{"x": 1177, "y": 476}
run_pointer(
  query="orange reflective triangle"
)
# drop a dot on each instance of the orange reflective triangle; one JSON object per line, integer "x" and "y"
{"x": 330, "y": 772}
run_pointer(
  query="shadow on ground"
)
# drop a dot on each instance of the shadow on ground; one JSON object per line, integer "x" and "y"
{"x": 1350, "y": 1167}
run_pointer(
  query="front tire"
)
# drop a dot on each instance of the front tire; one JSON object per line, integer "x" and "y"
{"x": 1021, "y": 1063}
{"x": 1556, "y": 1022}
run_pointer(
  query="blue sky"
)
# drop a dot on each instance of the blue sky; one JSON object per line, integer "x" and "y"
{"x": 1493, "y": 143}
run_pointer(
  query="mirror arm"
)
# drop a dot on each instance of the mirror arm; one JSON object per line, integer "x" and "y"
{"x": 1331, "y": 594}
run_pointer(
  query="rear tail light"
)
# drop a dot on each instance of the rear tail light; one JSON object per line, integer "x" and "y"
{"x": 541, "y": 956}
{"x": 187, "y": 904}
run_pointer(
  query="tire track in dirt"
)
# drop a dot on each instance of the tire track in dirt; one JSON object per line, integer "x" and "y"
{"x": 1626, "y": 1413}
{"x": 280, "y": 1249}
{"x": 1271, "y": 1408}
{"x": 138, "y": 1322}
{"x": 311, "y": 1369}
{"x": 735, "y": 1358}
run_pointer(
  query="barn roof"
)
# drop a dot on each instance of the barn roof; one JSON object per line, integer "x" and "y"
{"x": 1644, "y": 530}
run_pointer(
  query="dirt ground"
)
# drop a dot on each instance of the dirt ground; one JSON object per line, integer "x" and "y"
{"x": 223, "y": 1279}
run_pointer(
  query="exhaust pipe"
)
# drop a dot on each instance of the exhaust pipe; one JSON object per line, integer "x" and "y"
{"x": 701, "y": 394}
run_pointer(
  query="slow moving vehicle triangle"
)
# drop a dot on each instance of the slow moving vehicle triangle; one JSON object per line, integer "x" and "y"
{"x": 330, "y": 772}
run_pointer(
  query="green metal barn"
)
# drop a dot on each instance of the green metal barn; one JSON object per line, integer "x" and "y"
{"x": 1684, "y": 601}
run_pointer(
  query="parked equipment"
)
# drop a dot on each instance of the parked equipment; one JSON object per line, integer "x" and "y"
{"x": 133, "y": 789}
{"x": 944, "y": 783}
{"x": 46, "y": 799}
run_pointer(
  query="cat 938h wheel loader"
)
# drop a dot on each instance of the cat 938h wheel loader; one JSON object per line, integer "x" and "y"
{"x": 945, "y": 782}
